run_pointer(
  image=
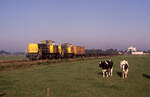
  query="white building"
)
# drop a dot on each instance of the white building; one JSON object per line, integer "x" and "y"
{"x": 137, "y": 53}
{"x": 131, "y": 49}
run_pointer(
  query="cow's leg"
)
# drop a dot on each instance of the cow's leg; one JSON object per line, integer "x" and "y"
{"x": 111, "y": 70}
{"x": 126, "y": 73}
{"x": 107, "y": 72}
{"x": 123, "y": 74}
{"x": 103, "y": 74}
{"x": 103, "y": 71}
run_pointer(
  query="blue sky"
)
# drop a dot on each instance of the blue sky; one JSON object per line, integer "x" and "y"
{"x": 91, "y": 23}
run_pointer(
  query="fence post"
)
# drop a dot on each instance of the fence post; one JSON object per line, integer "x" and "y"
{"x": 48, "y": 92}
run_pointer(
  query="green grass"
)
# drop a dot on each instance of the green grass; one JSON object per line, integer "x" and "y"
{"x": 11, "y": 57}
{"x": 78, "y": 79}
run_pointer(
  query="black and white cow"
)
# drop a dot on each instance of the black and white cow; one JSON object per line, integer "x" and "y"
{"x": 124, "y": 67}
{"x": 107, "y": 67}
{"x": 110, "y": 66}
{"x": 103, "y": 65}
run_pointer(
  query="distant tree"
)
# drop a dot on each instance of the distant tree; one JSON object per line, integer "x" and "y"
{"x": 100, "y": 52}
{"x": 111, "y": 51}
{"x": 93, "y": 52}
{"x": 2, "y": 52}
{"x": 148, "y": 51}
{"x": 18, "y": 53}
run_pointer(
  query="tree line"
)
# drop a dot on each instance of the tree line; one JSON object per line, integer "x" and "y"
{"x": 3, "y": 52}
{"x": 100, "y": 52}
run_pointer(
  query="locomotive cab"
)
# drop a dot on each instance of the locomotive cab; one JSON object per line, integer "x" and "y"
{"x": 33, "y": 51}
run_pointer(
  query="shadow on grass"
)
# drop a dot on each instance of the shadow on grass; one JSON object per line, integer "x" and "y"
{"x": 2, "y": 94}
{"x": 119, "y": 74}
{"x": 99, "y": 73}
{"x": 146, "y": 76}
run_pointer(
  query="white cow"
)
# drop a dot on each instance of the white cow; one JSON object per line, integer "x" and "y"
{"x": 124, "y": 67}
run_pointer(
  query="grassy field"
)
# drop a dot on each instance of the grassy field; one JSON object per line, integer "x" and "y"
{"x": 78, "y": 79}
{"x": 11, "y": 57}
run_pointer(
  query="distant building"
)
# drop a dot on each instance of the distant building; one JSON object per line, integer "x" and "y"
{"x": 120, "y": 53}
{"x": 137, "y": 53}
{"x": 131, "y": 49}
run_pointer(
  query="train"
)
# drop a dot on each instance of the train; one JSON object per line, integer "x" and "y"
{"x": 47, "y": 49}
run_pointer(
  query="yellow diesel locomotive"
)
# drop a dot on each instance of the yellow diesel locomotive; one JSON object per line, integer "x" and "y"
{"x": 47, "y": 49}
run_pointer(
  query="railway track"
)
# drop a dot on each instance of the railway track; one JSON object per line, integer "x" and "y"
{"x": 22, "y": 61}
{"x": 15, "y": 64}
{"x": 13, "y": 61}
